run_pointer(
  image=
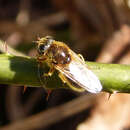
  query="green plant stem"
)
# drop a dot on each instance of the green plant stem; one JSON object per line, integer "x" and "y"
{"x": 24, "y": 71}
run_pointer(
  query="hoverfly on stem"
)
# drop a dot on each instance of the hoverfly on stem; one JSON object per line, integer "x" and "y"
{"x": 71, "y": 66}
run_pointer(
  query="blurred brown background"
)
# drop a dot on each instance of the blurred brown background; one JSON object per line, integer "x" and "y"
{"x": 97, "y": 29}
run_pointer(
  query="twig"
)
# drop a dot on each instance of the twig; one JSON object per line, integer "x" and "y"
{"x": 43, "y": 119}
{"x": 125, "y": 59}
{"x": 115, "y": 45}
{"x": 14, "y": 108}
{"x": 23, "y": 16}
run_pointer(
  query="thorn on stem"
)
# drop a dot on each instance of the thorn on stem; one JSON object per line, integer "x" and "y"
{"x": 24, "y": 89}
{"x": 6, "y": 47}
{"x": 48, "y": 94}
{"x": 110, "y": 94}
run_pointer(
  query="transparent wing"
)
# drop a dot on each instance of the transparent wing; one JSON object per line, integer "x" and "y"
{"x": 78, "y": 72}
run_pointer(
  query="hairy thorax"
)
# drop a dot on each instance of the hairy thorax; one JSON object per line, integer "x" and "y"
{"x": 59, "y": 54}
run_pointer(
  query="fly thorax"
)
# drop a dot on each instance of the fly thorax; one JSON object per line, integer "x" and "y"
{"x": 59, "y": 55}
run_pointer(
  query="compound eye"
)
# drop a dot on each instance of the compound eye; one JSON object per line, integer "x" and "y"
{"x": 41, "y": 49}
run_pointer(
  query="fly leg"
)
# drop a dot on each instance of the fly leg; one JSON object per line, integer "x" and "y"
{"x": 64, "y": 79}
{"x": 81, "y": 57}
{"x": 40, "y": 62}
{"x": 51, "y": 71}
